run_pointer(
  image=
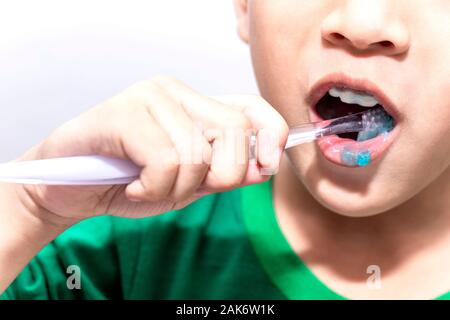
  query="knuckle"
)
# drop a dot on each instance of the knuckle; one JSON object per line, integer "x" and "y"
{"x": 258, "y": 100}
{"x": 156, "y": 85}
{"x": 283, "y": 128}
{"x": 230, "y": 181}
{"x": 142, "y": 95}
{"x": 199, "y": 170}
{"x": 143, "y": 85}
{"x": 165, "y": 81}
{"x": 197, "y": 173}
{"x": 206, "y": 153}
{"x": 239, "y": 120}
{"x": 194, "y": 150}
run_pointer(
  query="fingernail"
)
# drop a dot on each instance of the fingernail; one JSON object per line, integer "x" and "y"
{"x": 274, "y": 164}
{"x": 267, "y": 171}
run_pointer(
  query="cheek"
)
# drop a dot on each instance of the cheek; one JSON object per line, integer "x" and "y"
{"x": 428, "y": 145}
{"x": 426, "y": 131}
{"x": 427, "y": 106}
{"x": 280, "y": 36}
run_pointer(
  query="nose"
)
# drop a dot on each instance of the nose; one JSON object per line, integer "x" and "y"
{"x": 367, "y": 25}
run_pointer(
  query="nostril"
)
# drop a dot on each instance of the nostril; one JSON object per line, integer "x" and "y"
{"x": 386, "y": 44}
{"x": 337, "y": 36}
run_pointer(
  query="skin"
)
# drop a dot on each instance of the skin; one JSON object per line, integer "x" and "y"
{"x": 400, "y": 200}
{"x": 156, "y": 124}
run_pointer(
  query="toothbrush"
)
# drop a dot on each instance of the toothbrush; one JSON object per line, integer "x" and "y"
{"x": 101, "y": 170}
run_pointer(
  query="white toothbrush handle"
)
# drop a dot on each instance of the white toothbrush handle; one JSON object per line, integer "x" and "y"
{"x": 79, "y": 170}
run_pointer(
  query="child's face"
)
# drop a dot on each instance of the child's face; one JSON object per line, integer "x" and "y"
{"x": 397, "y": 50}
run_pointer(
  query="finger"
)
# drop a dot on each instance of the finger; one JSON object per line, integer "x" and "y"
{"x": 207, "y": 111}
{"x": 272, "y": 129}
{"x": 193, "y": 149}
{"x": 148, "y": 146}
{"x": 226, "y": 129}
{"x": 229, "y": 157}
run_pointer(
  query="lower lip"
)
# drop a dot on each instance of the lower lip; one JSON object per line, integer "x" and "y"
{"x": 351, "y": 153}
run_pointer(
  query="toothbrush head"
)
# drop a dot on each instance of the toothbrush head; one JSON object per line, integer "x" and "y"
{"x": 368, "y": 124}
{"x": 375, "y": 122}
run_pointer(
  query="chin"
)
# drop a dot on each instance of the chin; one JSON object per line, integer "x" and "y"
{"x": 349, "y": 204}
{"x": 369, "y": 199}
{"x": 350, "y": 192}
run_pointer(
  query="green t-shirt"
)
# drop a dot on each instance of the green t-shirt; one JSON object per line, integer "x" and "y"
{"x": 223, "y": 246}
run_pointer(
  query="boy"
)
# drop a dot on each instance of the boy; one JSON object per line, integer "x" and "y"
{"x": 347, "y": 217}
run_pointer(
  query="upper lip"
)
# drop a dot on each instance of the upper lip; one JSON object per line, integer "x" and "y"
{"x": 340, "y": 80}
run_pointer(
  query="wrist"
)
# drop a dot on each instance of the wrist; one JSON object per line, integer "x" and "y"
{"x": 35, "y": 202}
{"x": 24, "y": 230}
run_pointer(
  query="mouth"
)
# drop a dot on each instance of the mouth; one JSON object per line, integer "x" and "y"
{"x": 339, "y": 96}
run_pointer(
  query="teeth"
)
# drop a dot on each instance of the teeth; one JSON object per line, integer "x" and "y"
{"x": 354, "y": 97}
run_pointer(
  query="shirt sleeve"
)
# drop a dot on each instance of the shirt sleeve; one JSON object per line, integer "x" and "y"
{"x": 79, "y": 264}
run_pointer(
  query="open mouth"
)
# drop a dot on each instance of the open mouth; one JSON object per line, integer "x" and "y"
{"x": 356, "y": 149}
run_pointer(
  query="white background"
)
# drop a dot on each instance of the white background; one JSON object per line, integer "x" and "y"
{"x": 60, "y": 57}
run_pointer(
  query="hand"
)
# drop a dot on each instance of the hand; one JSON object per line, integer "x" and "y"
{"x": 188, "y": 145}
